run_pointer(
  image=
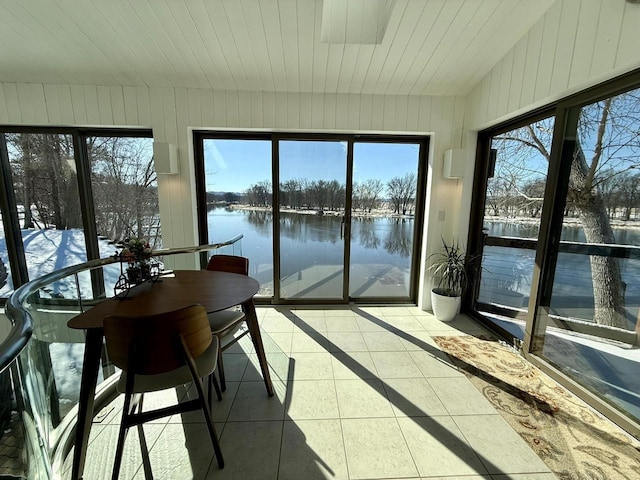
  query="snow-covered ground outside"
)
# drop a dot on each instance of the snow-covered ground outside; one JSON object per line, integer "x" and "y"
{"x": 49, "y": 250}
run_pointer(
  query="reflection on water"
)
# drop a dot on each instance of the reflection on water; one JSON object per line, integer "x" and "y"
{"x": 310, "y": 228}
{"x": 364, "y": 229}
{"x": 261, "y": 221}
{"x": 394, "y": 235}
{"x": 380, "y": 250}
{"x": 511, "y": 229}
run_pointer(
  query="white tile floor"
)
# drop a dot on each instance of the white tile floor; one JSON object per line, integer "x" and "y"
{"x": 361, "y": 393}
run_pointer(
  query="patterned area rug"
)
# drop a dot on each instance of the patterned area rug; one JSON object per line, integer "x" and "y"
{"x": 575, "y": 442}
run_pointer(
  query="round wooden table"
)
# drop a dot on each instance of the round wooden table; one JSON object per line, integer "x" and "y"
{"x": 214, "y": 290}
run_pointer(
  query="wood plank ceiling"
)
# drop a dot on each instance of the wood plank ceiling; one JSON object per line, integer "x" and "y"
{"x": 428, "y": 47}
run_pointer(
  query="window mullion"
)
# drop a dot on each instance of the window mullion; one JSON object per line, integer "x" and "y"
{"x": 555, "y": 195}
{"x": 86, "y": 196}
{"x": 9, "y": 210}
{"x": 89, "y": 223}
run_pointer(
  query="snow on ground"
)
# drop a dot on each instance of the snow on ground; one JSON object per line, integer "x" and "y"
{"x": 49, "y": 250}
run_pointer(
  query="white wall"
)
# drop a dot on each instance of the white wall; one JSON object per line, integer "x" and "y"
{"x": 173, "y": 112}
{"x": 575, "y": 45}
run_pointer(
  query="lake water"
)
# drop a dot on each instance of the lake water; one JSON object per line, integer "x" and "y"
{"x": 380, "y": 248}
{"x": 570, "y": 233}
{"x": 511, "y": 269}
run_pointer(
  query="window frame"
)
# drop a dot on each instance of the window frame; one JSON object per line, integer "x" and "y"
{"x": 350, "y": 138}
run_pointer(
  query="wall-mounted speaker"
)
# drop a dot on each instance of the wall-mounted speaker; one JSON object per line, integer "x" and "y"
{"x": 454, "y": 163}
{"x": 165, "y": 156}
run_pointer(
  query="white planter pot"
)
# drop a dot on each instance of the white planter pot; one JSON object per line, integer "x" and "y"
{"x": 444, "y": 308}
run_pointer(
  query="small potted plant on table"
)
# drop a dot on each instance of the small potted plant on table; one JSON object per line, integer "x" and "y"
{"x": 137, "y": 255}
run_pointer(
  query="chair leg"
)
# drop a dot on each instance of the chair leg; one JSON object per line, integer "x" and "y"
{"x": 122, "y": 434}
{"x": 144, "y": 449}
{"x": 214, "y": 382}
{"x": 223, "y": 382}
{"x": 210, "y": 426}
{"x": 203, "y": 404}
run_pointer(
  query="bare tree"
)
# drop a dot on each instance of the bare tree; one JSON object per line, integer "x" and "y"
{"x": 402, "y": 191}
{"x": 259, "y": 194}
{"x": 607, "y": 146}
{"x": 289, "y": 193}
{"x": 43, "y": 168}
{"x": 532, "y": 198}
{"x": 367, "y": 194}
{"x": 124, "y": 186}
{"x": 335, "y": 195}
{"x": 318, "y": 194}
{"x": 627, "y": 194}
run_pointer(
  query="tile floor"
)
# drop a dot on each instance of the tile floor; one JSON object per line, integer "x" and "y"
{"x": 361, "y": 393}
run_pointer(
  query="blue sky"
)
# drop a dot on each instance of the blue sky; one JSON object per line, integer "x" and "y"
{"x": 234, "y": 165}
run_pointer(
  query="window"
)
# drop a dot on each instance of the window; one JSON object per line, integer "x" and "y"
{"x": 515, "y": 185}
{"x": 45, "y": 184}
{"x": 48, "y": 219}
{"x": 125, "y": 188}
{"x": 591, "y": 317}
{"x": 239, "y": 201}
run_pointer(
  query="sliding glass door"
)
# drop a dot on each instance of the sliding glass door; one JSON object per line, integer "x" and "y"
{"x": 587, "y": 324}
{"x": 312, "y": 200}
{"x": 341, "y": 224}
{"x": 383, "y": 219}
{"x": 239, "y": 201}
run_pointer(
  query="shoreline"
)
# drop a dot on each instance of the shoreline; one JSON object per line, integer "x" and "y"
{"x": 569, "y": 222}
{"x": 379, "y": 213}
{"x": 357, "y": 214}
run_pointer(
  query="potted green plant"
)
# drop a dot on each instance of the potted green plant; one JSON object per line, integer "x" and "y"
{"x": 450, "y": 273}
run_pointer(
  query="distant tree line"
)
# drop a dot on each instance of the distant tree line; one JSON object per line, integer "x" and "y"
{"x": 619, "y": 191}
{"x": 224, "y": 197}
{"x": 398, "y": 194}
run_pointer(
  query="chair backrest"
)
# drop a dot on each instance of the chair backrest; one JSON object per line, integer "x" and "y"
{"x": 157, "y": 339}
{"x": 229, "y": 263}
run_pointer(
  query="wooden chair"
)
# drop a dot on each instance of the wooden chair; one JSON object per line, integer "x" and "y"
{"x": 226, "y": 323}
{"x": 159, "y": 352}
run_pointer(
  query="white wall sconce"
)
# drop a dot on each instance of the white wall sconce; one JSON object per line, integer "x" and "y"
{"x": 454, "y": 163}
{"x": 165, "y": 156}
